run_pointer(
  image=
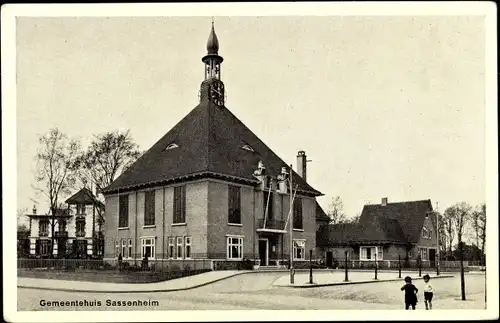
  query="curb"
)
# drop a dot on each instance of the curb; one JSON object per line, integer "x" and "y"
{"x": 353, "y": 283}
{"x": 131, "y": 291}
{"x": 155, "y": 290}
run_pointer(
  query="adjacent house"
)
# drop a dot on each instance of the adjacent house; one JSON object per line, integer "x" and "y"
{"x": 74, "y": 232}
{"x": 210, "y": 189}
{"x": 385, "y": 232}
{"x": 321, "y": 217}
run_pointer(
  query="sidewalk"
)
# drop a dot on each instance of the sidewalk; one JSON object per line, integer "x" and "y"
{"x": 320, "y": 278}
{"x": 165, "y": 286}
{"x": 334, "y": 278}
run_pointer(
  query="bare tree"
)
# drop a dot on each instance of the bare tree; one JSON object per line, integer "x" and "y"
{"x": 460, "y": 214}
{"x": 355, "y": 219}
{"x": 55, "y": 170}
{"x": 482, "y": 228}
{"x": 448, "y": 230}
{"x": 443, "y": 239}
{"x": 107, "y": 157}
{"x": 336, "y": 211}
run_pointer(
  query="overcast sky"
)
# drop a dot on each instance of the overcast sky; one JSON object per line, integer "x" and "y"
{"x": 383, "y": 106}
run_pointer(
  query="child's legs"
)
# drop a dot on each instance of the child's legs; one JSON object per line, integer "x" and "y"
{"x": 413, "y": 306}
{"x": 407, "y": 306}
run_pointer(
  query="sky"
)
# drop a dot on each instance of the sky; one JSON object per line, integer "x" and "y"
{"x": 384, "y": 106}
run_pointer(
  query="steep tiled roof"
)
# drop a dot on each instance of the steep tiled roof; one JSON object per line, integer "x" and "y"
{"x": 83, "y": 196}
{"x": 209, "y": 143}
{"x": 378, "y": 231}
{"x": 321, "y": 214}
{"x": 410, "y": 216}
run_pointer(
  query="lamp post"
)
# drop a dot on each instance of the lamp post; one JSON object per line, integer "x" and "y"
{"x": 346, "y": 273}
{"x": 310, "y": 267}
{"x": 399, "y": 265}
{"x": 376, "y": 263}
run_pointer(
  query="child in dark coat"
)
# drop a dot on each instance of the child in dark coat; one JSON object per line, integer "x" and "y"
{"x": 410, "y": 294}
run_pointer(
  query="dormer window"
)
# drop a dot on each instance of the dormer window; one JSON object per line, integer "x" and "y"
{"x": 172, "y": 146}
{"x": 247, "y": 147}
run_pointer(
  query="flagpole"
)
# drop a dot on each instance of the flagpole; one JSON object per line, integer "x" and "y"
{"x": 290, "y": 228}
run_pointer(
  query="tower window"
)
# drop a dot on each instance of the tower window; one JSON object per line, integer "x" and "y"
{"x": 248, "y": 147}
{"x": 172, "y": 146}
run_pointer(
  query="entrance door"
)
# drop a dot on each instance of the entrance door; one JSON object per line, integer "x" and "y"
{"x": 263, "y": 248}
{"x": 432, "y": 257}
{"x": 329, "y": 259}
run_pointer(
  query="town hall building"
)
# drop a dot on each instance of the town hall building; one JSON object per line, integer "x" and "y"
{"x": 211, "y": 189}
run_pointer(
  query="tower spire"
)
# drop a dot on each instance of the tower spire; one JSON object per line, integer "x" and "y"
{"x": 212, "y": 87}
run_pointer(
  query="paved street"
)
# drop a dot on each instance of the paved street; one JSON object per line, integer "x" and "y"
{"x": 256, "y": 291}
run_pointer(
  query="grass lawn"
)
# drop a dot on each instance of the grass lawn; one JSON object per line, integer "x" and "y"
{"x": 108, "y": 276}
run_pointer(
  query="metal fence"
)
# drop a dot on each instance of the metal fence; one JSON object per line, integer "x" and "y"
{"x": 405, "y": 264}
{"x": 152, "y": 265}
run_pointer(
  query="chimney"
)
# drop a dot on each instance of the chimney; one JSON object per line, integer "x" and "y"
{"x": 384, "y": 201}
{"x": 302, "y": 164}
{"x": 34, "y": 209}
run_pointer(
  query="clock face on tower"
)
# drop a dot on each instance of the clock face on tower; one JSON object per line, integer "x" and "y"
{"x": 217, "y": 93}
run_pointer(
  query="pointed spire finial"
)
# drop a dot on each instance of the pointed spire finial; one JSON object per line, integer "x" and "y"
{"x": 213, "y": 42}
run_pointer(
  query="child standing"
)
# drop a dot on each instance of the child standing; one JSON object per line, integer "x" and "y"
{"x": 410, "y": 294}
{"x": 428, "y": 292}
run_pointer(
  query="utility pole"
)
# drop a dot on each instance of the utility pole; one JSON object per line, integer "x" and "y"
{"x": 290, "y": 227}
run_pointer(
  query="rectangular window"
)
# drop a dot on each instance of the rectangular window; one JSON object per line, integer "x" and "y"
{"x": 148, "y": 247}
{"x": 234, "y": 204}
{"x": 234, "y": 248}
{"x": 123, "y": 211}
{"x": 130, "y": 252}
{"x": 368, "y": 253}
{"x": 43, "y": 229}
{"x": 187, "y": 241}
{"x": 268, "y": 205}
{"x": 149, "y": 207}
{"x": 124, "y": 248}
{"x": 44, "y": 247}
{"x": 180, "y": 248}
{"x": 171, "y": 247}
{"x": 62, "y": 225}
{"x": 80, "y": 209}
{"x": 297, "y": 213}
{"x": 423, "y": 253}
{"x": 299, "y": 249}
{"x": 179, "y": 204}
{"x": 80, "y": 227}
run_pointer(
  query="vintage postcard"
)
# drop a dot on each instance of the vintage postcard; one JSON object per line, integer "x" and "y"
{"x": 250, "y": 161}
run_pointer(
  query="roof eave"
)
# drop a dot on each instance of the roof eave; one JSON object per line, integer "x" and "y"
{"x": 183, "y": 178}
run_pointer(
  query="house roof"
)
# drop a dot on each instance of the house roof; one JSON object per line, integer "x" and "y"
{"x": 410, "y": 216}
{"x": 83, "y": 196}
{"x": 378, "y": 231}
{"x": 209, "y": 142}
{"x": 60, "y": 212}
{"x": 321, "y": 214}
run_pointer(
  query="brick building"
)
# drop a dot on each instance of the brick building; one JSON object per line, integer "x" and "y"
{"x": 210, "y": 189}
{"x": 385, "y": 232}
